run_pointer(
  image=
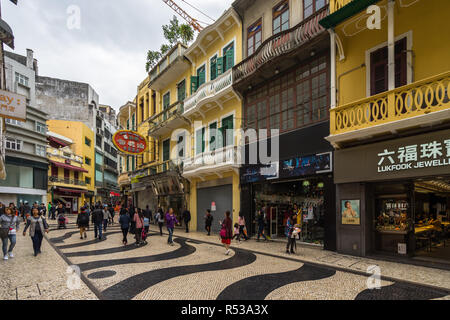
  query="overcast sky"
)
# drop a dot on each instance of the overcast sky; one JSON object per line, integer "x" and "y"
{"x": 109, "y": 50}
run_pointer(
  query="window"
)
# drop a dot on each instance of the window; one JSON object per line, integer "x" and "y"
{"x": 87, "y": 141}
{"x": 181, "y": 146}
{"x": 292, "y": 100}
{"x": 41, "y": 127}
{"x": 312, "y": 6}
{"x": 54, "y": 171}
{"x": 166, "y": 101}
{"x": 228, "y": 55}
{"x": 181, "y": 91}
{"x": 200, "y": 141}
{"x": 227, "y": 132}
{"x": 254, "y": 37}
{"x": 87, "y": 180}
{"x": 201, "y": 74}
{"x": 22, "y": 79}
{"x": 41, "y": 151}
{"x": 14, "y": 122}
{"x": 213, "y": 67}
{"x": 379, "y": 68}
{"x": 166, "y": 150}
{"x": 87, "y": 161}
{"x": 13, "y": 144}
{"x": 280, "y": 16}
{"x": 213, "y": 136}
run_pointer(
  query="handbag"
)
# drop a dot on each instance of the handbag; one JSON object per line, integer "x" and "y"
{"x": 4, "y": 232}
{"x": 223, "y": 232}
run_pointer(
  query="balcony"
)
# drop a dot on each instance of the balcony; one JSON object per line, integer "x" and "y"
{"x": 215, "y": 162}
{"x": 420, "y": 104}
{"x": 65, "y": 181}
{"x": 124, "y": 179}
{"x": 280, "y": 44}
{"x": 169, "y": 68}
{"x": 166, "y": 121}
{"x": 211, "y": 94}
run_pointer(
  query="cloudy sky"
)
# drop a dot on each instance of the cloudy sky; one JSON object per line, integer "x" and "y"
{"x": 109, "y": 49}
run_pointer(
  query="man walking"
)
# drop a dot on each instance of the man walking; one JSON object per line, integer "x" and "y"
{"x": 186, "y": 218}
{"x": 97, "y": 220}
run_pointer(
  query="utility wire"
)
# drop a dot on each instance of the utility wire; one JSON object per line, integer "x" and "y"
{"x": 198, "y": 10}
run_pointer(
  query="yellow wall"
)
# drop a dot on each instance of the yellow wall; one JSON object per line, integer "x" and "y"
{"x": 428, "y": 23}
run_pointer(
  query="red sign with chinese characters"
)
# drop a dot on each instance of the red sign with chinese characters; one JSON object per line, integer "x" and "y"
{"x": 129, "y": 142}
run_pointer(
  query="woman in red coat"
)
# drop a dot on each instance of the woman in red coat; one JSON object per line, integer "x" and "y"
{"x": 226, "y": 233}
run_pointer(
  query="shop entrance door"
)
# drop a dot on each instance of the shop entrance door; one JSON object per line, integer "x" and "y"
{"x": 222, "y": 196}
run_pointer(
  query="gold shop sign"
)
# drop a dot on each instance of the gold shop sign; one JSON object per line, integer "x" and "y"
{"x": 13, "y": 106}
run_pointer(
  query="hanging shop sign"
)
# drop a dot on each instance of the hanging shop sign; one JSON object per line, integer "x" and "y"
{"x": 130, "y": 142}
{"x": 416, "y": 156}
{"x": 307, "y": 165}
{"x": 13, "y": 106}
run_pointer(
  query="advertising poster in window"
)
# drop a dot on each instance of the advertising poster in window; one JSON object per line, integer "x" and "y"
{"x": 350, "y": 212}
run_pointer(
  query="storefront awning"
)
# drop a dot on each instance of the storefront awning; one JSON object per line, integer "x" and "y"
{"x": 74, "y": 191}
{"x": 57, "y": 142}
{"x": 67, "y": 166}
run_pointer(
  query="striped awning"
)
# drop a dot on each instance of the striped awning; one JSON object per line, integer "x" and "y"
{"x": 68, "y": 166}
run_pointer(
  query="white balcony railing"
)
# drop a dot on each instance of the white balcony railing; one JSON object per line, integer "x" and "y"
{"x": 225, "y": 158}
{"x": 209, "y": 90}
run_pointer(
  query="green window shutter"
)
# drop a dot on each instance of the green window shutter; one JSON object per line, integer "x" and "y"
{"x": 128, "y": 126}
{"x": 128, "y": 164}
{"x": 194, "y": 84}
{"x": 166, "y": 101}
{"x": 229, "y": 56}
{"x": 213, "y": 133}
{"x": 219, "y": 67}
{"x": 227, "y": 131}
{"x": 200, "y": 141}
{"x": 201, "y": 76}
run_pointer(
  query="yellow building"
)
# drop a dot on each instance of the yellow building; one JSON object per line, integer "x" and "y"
{"x": 186, "y": 96}
{"x": 390, "y": 122}
{"x": 73, "y": 160}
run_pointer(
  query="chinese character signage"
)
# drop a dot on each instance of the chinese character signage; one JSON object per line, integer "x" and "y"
{"x": 416, "y": 156}
{"x": 13, "y": 106}
{"x": 409, "y": 157}
{"x": 130, "y": 142}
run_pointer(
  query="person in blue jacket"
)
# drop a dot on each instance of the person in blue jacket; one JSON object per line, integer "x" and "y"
{"x": 124, "y": 221}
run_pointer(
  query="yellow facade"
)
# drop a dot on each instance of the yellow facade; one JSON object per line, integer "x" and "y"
{"x": 81, "y": 135}
{"x": 423, "y": 24}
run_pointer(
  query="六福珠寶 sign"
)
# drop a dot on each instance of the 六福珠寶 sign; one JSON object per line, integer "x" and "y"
{"x": 426, "y": 155}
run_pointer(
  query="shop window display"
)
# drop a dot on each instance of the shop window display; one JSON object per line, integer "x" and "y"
{"x": 304, "y": 198}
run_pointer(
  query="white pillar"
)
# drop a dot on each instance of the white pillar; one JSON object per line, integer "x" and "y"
{"x": 391, "y": 46}
{"x": 333, "y": 101}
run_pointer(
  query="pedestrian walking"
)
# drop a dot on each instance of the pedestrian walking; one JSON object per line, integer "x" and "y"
{"x": 148, "y": 213}
{"x": 37, "y": 225}
{"x": 242, "y": 228}
{"x": 106, "y": 217}
{"x": 52, "y": 212}
{"x": 139, "y": 221}
{"x": 9, "y": 225}
{"x": 160, "y": 219}
{"x": 124, "y": 221}
{"x": 261, "y": 225}
{"x": 83, "y": 222}
{"x": 26, "y": 211}
{"x": 43, "y": 210}
{"x": 2, "y": 209}
{"x": 111, "y": 214}
{"x": 97, "y": 220}
{"x": 171, "y": 220}
{"x": 186, "y": 218}
{"x": 226, "y": 232}
{"x": 208, "y": 221}
{"x": 236, "y": 234}
{"x": 291, "y": 232}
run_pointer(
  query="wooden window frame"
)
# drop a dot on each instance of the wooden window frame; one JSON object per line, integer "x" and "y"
{"x": 314, "y": 9}
{"x": 259, "y": 21}
{"x": 281, "y": 13}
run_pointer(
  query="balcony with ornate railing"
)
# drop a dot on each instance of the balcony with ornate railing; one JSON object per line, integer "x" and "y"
{"x": 215, "y": 162}
{"x": 210, "y": 94}
{"x": 169, "y": 119}
{"x": 420, "y": 103}
{"x": 280, "y": 44}
{"x": 66, "y": 181}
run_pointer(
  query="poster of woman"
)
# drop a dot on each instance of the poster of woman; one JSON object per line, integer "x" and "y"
{"x": 350, "y": 212}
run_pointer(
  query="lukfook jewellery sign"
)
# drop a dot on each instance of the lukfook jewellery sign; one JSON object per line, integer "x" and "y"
{"x": 415, "y": 156}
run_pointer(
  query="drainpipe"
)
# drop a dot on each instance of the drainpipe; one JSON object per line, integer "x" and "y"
{"x": 333, "y": 101}
{"x": 391, "y": 46}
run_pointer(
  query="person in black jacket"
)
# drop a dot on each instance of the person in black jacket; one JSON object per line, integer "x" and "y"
{"x": 83, "y": 222}
{"x": 124, "y": 221}
{"x": 186, "y": 218}
{"x": 208, "y": 221}
{"x": 97, "y": 220}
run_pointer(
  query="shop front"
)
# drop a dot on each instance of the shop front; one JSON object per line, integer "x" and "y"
{"x": 70, "y": 198}
{"x": 302, "y": 185}
{"x": 393, "y": 197}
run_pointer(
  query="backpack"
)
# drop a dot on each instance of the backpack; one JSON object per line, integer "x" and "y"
{"x": 84, "y": 218}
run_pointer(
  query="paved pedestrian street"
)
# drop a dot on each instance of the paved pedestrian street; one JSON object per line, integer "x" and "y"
{"x": 196, "y": 268}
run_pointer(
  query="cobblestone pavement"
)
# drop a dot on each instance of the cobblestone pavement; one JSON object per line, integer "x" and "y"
{"x": 196, "y": 268}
